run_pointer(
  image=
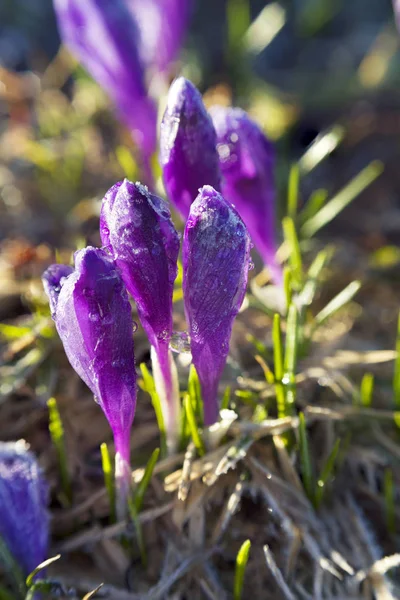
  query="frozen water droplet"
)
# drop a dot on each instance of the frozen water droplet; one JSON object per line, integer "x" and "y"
{"x": 251, "y": 265}
{"x": 94, "y": 317}
{"x": 180, "y": 342}
{"x": 96, "y": 399}
{"x": 134, "y": 327}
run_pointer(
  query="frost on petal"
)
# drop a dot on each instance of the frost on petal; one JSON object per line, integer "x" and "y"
{"x": 53, "y": 279}
{"x": 187, "y": 146}
{"x": 216, "y": 258}
{"x": 94, "y": 320}
{"x": 246, "y": 159}
{"x": 24, "y": 518}
{"x": 137, "y": 229}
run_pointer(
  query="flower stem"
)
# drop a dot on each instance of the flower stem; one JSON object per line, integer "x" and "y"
{"x": 123, "y": 475}
{"x": 167, "y": 387}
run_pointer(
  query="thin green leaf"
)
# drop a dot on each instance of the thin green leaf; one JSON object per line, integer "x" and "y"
{"x": 144, "y": 483}
{"x": 291, "y": 239}
{"x": 305, "y": 460}
{"x": 43, "y": 565}
{"x": 290, "y": 360}
{"x": 194, "y": 391}
{"x": 138, "y": 529}
{"x": 194, "y": 431}
{"x": 277, "y": 344}
{"x": 396, "y": 376}
{"x": 388, "y": 488}
{"x": 92, "y": 593}
{"x": 238, "y": 18}
{"x": 367, "y": 389}
{"x": 226, "y": 398}
{"x": 241, "y": 564}
{"x": 293, "y": 191}
{"x": 108, "y": 479}
{"x": 287, "y": 286}
{"x": 260, "y": 347}
{"x": 268, "y": 374}
{"x": 326, "y": 474}
{"x": 148, "y": 386}
{"x": 337, "y": 302}
{"x": 321, "y": 147}
{"x": 57, "y": 436}
{"x": 12, "y": 570}
{"x": 13, "y": 332}
{"x": 42, "y": 586}
{"x": 342, "y": 199}
{"x": 310, "y": 287}
{"x": 313, "y": 205}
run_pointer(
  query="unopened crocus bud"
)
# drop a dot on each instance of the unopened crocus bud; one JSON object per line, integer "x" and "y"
{"x": 24, "y": 518}
{"x": 246, "y": 159}
{"x": 216, "y": 261}
{"x": 188, "y": 153}
{"x": 136, "y": 228}
{"x": 103, "y": 36}
{"x": 94, "y": 320}
{"x": 162, "y": 25}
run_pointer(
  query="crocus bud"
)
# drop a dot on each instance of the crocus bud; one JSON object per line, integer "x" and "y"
{"x": 136, "y": 228}
{"x": 187, "y": 146}
{"x": 216, "y": 261}
{"x": 94, "y": 320}
{"x": 162, "y": 25}
{"x": 246, "y": 159}
{"x": 103, "y": 36}
{"x": 24, "y": 519}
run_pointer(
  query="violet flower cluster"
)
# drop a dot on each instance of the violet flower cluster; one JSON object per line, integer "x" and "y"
{"x": 227, "y": 150}
{"x": 209, "y": 164}
{"x": 24, "y": 518}
{"x": 117, "y": 41}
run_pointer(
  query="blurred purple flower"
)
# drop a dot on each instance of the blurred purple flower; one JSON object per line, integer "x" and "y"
{"x": 162, "y": 25}
{"x": 188, "y": 153}
{"x": 136, "y": 227}
{"x": 94, "y": 320}
{"x": 216, "y": 260}
{"x": 103, "y": 36}
{"x": 246, "y": 159}
{"x": 24, "y": 518}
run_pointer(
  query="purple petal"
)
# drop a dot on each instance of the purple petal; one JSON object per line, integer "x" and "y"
{"x": 216, "y": 260}
{"x": 94, "y": 320}
{"x": 103, "y": 36}
{"x": 137, "y": 229}
{"x": 24, "y": 518}
{"x": 53, "y": 279}
{"x": 187, "y": 146}
{"x": 246, "y": 159}
{"x": 162, "y": 25}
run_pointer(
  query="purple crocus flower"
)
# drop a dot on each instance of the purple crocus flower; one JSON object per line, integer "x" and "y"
{"x": 24, "y": 518}
{"x": 162, "y": 25}
{"x": 94, "y": 320}
{"x": 246, "y": 159}
{"x": 136, "y": 227}
{"x": 187, "y": 146}
{"x": 103, "y": 36}
{"x": 216, "y": 261}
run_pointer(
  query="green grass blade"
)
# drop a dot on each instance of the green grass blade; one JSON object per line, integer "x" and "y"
{"x": 287, "y": 286}
{"x": 326, "y": 474}
{"x": 43, "y": 565}
{"x": 138, "y": 529}
{"x": 305, "y": 460}
{"x": 291, "y": 239}
{"x": 321, "y": 147}
{"x": 342, "y": 199}
{"x": 277, "y": 343}
{"x": 194, "y": 431}
{"x": 57, "y": 436}
{"x": 12, "y": 571}
{"x": 238, "y": 20}
{"x": 290, "y": 360}
{"x": 226, "y": 398}
{"x": 194, "y": 391}
{"x": 396, "y": 376}
{"x": 144, "y": 483}
{"x": 389, "y": 492}
{"x": 293, "y": 191}
{"x": 313, "y": 205}
{"x": 108, "y": 479}
{"x": 308, "y": 292}
{"x": 337, "y": 302}
{"x": 241, "y": 564}
{"x": 148, "y": 386}
{"x": 367, "y": 389}
{"x": 91, "y": 594}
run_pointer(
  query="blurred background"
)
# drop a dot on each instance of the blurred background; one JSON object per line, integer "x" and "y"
{"x": 307, "y": 70}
